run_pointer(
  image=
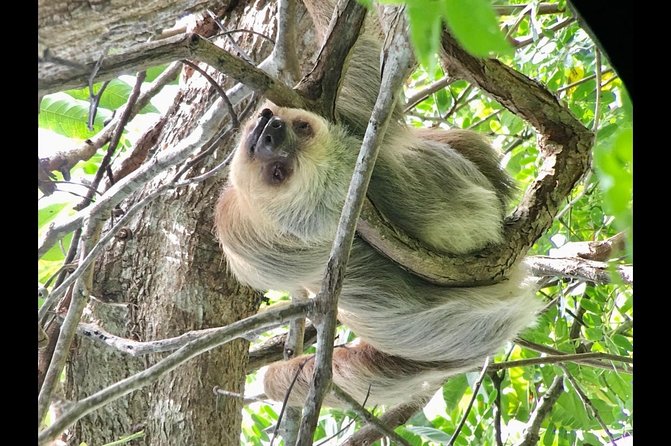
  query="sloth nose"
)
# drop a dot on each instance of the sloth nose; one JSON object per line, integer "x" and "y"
{"x": 272, "y": 137}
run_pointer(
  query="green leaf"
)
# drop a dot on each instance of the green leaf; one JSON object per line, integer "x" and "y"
{"x": 429, "y": 433}
{"x": 453, "y": 390}
{"x": 58, "y": 251}
{"x": 68, "y": 116}
{"x": 443, "y": 101}
{"x": 622, "y": 342}
{"x": 425, "y": 19}
{"x": 593, "y": 334}
{"x": 613, "y": 160}
{"x": 48, "y": 213}
{"x": 549, "y": 436}
{"x": 367, "y": 3}
{"x": 476, "y": 27}
{"x": 115, "y": 95}
{"x": 590, "y": 306}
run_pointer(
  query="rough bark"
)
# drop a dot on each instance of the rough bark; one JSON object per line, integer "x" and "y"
{"x": 168, "y": 277}
{"x": 78, "y": 30}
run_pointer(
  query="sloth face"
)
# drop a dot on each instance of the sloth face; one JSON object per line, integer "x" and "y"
{"x": 292, "y": 170}
{"x": 274, "y": 143}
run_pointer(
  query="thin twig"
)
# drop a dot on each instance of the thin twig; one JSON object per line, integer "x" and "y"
{"x": 582, "y": 81}
{"x": 553, "y": 28}
{"x": 559, "y": 359}
{"x": 476, "y": 389}
{"x": 588, "y": 403}
{"x": 366, "y": 415}
{"x": 597, "y": 100}
{"x": 531, "y": 435}
{"x": 114, "y": 140}
{"x": 94, "y": 100}
{"x": 235, "y": 122}
{"x": 552, "y": 351}
{"x": 248, "y": 31}
{"x": 267, "y": 319}
{"x": 285, "y": 401}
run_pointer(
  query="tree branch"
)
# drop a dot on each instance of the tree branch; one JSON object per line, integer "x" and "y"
{"x": 284, "y": 50}
{"x": 80, "y": 297}
{"x": 392, "y": 418}
{"x": 552, "y": 351}
{"x": 293, "y": 347}
{"x": 186, "y": 46}
{"x": 531, "y": 435}
{"x": 63, "y": 161}
{"x": 576, "y": 357}
{"x": 476, "y": 389}
{"x": 273, "y": 349}
{"x": 565, "y": 144}
{"x": 367, "y": 416}
{"x": 217, "y": 337}
{"x": 397, "y": 65}
{"x": 322, "y": 83}
{"x": 576, "y": 268}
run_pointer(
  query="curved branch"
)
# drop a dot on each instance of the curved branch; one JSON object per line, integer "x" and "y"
{"x": 565, "y": 145}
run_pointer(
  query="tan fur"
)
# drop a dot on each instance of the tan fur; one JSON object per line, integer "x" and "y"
{"x": 277, "y": 217}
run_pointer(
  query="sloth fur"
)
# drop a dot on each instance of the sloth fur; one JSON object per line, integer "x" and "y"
{"x": 277, "y": 216}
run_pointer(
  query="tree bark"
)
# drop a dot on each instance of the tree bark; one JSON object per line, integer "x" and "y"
{"x": 165, "y": 277}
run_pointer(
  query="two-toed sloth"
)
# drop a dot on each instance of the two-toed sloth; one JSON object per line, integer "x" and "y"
{"x": 277, "y": 216}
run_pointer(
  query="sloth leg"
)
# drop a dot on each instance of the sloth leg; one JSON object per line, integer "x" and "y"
{"x": 368, "y": 375}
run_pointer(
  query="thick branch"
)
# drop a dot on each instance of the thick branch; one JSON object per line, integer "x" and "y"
{"x": 186, "y": 46}
{"x": 189, "y": 351}
{"x": 565, "y": 144}
{"x": 576, "y": 268}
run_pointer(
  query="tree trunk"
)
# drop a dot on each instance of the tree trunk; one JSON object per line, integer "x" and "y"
{"x": 168, "y": 277}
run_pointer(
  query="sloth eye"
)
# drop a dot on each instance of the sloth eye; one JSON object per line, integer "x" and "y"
{"x": 302, "y": 128}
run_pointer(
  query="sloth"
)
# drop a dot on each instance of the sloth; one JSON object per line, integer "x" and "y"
{"x": 277, "y": 216}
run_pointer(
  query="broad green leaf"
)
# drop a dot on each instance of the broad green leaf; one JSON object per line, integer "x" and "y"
{"x": 593, "y": 334}
{"x": 115, "y": 95}
{"x": 549, "y": 436}
{"x": 429, "y": 433}
{"x": 476, "y": 27}
{"x": 613, "y": 160}
{"x": 58, "y": 251}
{"x": 426, "y": 20}
{"x": 68, "y": 116}
{"x": 48, "y": 213}
{"x": 590, "y": 306}
{"x": 453, "y": 390}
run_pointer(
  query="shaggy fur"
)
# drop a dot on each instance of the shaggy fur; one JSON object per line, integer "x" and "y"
{"x": 276, "y": 220}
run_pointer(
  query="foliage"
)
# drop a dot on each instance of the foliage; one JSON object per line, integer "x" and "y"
{"x": 580, "y": 317}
